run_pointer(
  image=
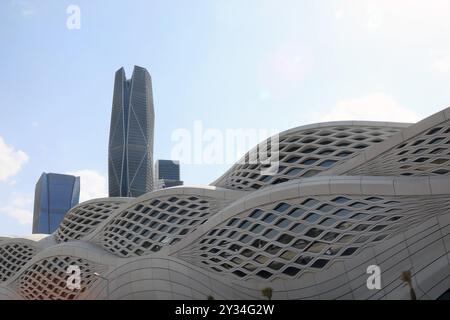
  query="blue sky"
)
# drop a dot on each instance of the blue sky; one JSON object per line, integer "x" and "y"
{"x": 231, "y": 64}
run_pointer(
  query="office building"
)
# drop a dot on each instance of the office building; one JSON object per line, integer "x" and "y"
{"x": 55, "y": 194}
{"x": 130, "y": 156}
{"x": 167, "y": 174}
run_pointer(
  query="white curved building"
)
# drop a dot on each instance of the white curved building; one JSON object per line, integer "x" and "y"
{"x": 345, "y": 196}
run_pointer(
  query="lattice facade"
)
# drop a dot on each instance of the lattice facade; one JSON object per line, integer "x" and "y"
{"x": 423, "y": 155}
{"x": 83, "y": 219}
{"x": 47, "y": 279}
{"x": 289, "y": 237}
{"x": 13, "y": 256}
{"x": 150, "y": 225}
{"x": 304, "y": 153}
{"x": 345, "y": 195}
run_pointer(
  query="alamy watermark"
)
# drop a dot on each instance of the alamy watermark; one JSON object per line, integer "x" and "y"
{"x": 202, "y": 146}
{"x": 374, "y": 280}
{"x": 73, "y": 282}
{"x": 73, "y": 21}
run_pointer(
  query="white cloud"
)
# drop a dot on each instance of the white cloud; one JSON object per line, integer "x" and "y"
{"x": 11, "y": 160}
{"x": 376, "y": 107}
{"x": 339, "y": 14}
{"x": 92, "y": 184}
{"x": 442, "y": 64}
{"x": 19, "y": 208}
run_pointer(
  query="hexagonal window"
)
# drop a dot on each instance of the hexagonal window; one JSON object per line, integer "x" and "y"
{"x": 294, "y": 171}
{"x": 261, "y": 259}
{"x": 258, "y": 243}
{"x": 233, "y": 222}
{"x": 285, "y": 238}
{"x": 330, "y": 236}
{"x": 325, "y": 208}
{"x": 357, "y": 205}
{"x": 237, "y": 260}
{"x": 293, "y": 159}
{"x": 239, "y": 273}
{"x": 325, "y": 152}
{"x": 281, "y": 207}
{"x": 269, "y": 218}
{"x": 327, "y": 222}
{"x": 257, "y": 228}
{"x": 276, "y": 265}
{"x": 272, "y": 249}
{"x": 301, "y": 244}
{"x": 344, "y": 225}
{"x": 256, "y": 213}
{"x": 233, "y": 234}
{"x": 361, "y": 227}
{"x": 283, "y": 223}
{"x": 244, "y": 224}
{"x": 297, "y": 212}
{"x": 349, "y": 251}
{"x": 249, "y": 267}
{"x": 235, "y": 247}
{"x": 327, "y": 163}
{"x": 247, "y": 253}
{"x": 346, "y": 238}
{"x": 245, "y": 238}
{"x": 378, "y": 228}
{"x": 291, "y": 271}
{"x": 343, "y": 154}
{"x": 309, "y": 161}
{"x": 298, "y": 228}
{"x": 264, "y": 274}
{"x": 319, "y": 263}
{"x": 226, "y": 266}
{"x": 359, "y": 216}
{"x": 342, "y": 212}
{"x": 313, "y": 232}
{"x": 331, "y": 251}
{"x": 308, "y": 150}
{"x": 303, "y": 260}
{"x": 288, "y": 255}
{"x": 317, "y": 247}
{"x": 312, "y": 217}
{"x": 310, "y": 202}
{"x": 270, "y": 234}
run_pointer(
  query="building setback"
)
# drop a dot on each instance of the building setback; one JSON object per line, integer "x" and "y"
{"x": 130, "y": 156}
{"x": 55, "y": 194}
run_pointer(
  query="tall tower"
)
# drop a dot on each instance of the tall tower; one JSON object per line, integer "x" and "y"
{"x": 130, "y": 152}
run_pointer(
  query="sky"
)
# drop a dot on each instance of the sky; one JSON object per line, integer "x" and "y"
{"x": 217, "y": 66}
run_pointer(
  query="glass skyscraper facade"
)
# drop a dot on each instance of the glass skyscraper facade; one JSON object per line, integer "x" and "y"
{"x": 130, "y": 155}
{"x": 167, "y": 169}
{"x": 167, "y": 174}
{"x": 55, "y": 194}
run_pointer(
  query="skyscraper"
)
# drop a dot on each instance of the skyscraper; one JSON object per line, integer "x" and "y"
{"x": 167, "y": 174}
{"x": 54, "y": 195}
{"x": 131, "y": 135}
